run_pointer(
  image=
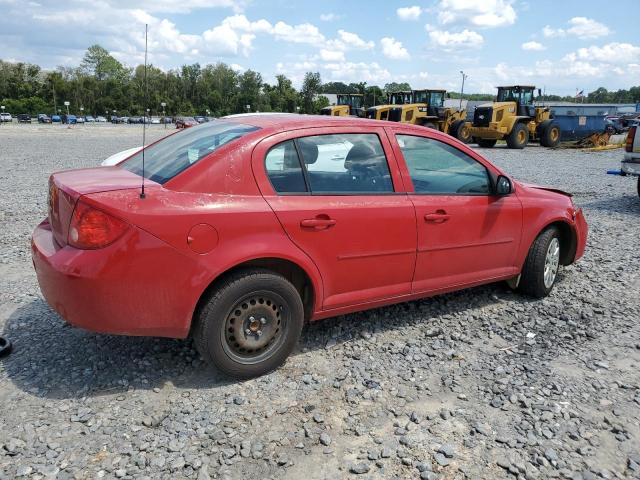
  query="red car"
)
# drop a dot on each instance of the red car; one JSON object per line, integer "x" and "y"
{"x": 251, "y": 226}
{"x": 186, "y": 122}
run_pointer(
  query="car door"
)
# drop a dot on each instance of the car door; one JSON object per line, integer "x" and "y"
{"x": 339, "y": 196}
{"x": 466, "y": 234}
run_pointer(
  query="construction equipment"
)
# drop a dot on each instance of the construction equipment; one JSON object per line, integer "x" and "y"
{"x": 426, "y": 108}
{"x": 381, "y": 112}
{"x": 514, "y": 118}
{"x": 348, "y": 104}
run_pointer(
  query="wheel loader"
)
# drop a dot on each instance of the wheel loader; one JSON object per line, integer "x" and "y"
{"x": 514, "y": 117}
{"x": 349, "y": 104}
{"x": 381, "y": 112}
{"x": 427, "y": 108}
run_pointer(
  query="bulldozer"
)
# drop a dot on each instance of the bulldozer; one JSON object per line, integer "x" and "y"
{"x": 426, "y": 108}
{"x": 381, "y": 112}
{"x": 514, "y": 117}
{"x": 349, "y": 104}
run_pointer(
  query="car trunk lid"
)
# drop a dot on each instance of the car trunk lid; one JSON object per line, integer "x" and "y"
{"x": 67, "y": 186}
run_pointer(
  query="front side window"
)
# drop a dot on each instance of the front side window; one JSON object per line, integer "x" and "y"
{"x": 436, "y": 99}
{"x": 342, "y": 164}
{"x": 174, "y": 154}
{"x": 438, "y": 168}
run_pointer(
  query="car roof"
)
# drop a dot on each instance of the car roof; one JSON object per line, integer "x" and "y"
{"x": 293, "y": 121}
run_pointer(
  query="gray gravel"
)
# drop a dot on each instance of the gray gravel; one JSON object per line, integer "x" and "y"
{"x": 476, "y": 384}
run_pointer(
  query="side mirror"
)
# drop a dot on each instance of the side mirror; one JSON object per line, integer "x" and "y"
{"x": 503, "y": 186}
{"x": 539, "y": 92}
{"x": 448, "y": 95}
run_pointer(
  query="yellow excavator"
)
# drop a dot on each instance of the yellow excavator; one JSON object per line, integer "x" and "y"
{"x": 514, "y": 118}
{"x": 381, "y": 112}
{"x": 349, "y": 104}
{"x": 427, "y": 108}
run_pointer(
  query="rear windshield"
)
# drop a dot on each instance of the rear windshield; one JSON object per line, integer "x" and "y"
{"x": 167, "y": 158}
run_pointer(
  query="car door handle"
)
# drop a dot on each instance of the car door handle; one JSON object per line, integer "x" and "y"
{"x": 438, "y": 217}
{"x": 318, "y": 223}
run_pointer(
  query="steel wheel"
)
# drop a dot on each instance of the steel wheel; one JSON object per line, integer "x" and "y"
{"x": 551, "y": 262}
{"x": 255, "y": 327}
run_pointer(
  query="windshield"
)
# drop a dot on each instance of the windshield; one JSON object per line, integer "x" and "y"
{"x": 172, "y": 155}
{"x": 436, "y": 99}
{"x": 356, "y": 102}
{"x": 515, "y": 94}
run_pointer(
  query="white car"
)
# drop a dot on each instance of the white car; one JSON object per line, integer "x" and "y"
{"x": 120, "y": 156}
{"x": 5, "y": 117}
{"x": 631, "y": 162}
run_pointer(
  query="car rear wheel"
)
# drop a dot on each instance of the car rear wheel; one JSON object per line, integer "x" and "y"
{"x": 541, "y": 266}
{"x": 250, "y": 323}
{"x": 550, "y": 134}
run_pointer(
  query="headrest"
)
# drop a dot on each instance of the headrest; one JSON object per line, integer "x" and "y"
{"x": 309, "y": 151}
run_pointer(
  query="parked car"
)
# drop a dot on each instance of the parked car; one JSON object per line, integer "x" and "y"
{"x": 69, "y": 119}
{"x": 134, "y": 120}
{"x": 167, "y": 120}
{"x": 185, "y": 122}
{"x": 248, "y": 229}
{"x": 24, "y": 118}
{"x": 89, "y": 119}
{"x": 80, "y": 119}
{"x": 56, "y": 118}
{"x": 5, "y": 117}
{"x": 631, "y": 161}
{"x": 44, "y": 118}
{"x": 200, "y": 119}
{"x": 101, "y": 119}
{"x": 155, "y": 120}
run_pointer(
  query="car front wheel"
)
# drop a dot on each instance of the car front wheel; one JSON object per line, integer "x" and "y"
{"x": 250, "y": 323}
{"x": 541, "y": 266}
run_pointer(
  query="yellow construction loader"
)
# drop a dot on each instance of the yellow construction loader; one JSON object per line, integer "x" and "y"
{"x": 514, "y": 117}
{"x": 427, "y": 108}
{"x": 381, "y": 112}
{"x": 348, "y": 104}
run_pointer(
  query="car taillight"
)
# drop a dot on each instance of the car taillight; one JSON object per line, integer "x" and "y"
{"x": 92, "y": 228}
{"x": 630, "y": 138}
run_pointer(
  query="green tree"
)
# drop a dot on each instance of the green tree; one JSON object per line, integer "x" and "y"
{"x": 311, "y": 87}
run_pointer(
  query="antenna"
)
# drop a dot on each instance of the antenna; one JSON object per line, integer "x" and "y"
{"x": 144, "y": 118}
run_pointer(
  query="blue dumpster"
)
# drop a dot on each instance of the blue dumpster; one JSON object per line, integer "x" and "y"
{"x": 575, "y": 127}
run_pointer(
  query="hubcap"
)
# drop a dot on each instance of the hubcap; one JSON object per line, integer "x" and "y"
{"x": 554, "y": 134}
{"x": 551, "y": 262}
{"x": 255, "y": 327}
{"x": 521, "y": 136}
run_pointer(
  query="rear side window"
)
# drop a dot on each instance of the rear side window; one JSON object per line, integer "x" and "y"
{"x": 284, "y": 170}
{"x": 438, "y": 168}
{"x": 340, "y": 164}
{"x": 172, "y": 155}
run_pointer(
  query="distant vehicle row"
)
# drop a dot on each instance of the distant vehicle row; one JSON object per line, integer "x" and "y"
{"x": 181, "y": 122}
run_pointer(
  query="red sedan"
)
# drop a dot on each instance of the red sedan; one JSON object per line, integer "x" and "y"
{"x": 186, "y": 122}
{"x": 252, "y": 225}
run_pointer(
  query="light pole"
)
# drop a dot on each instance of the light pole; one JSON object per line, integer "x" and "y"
{"x": 148, "y": 117}
{"x": 298, "y": 109}
{"x": 464, "y": 76}
{"x": 248, "y": 107}
{"x": 164, "y": 119}
{"x": 66, "y": 104}
{"x": 82, "y": 111}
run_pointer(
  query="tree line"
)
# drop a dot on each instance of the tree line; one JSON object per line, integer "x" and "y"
{"x": 101, "y": 85}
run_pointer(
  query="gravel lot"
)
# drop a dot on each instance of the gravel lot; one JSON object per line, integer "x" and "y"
{"x": 478, "y": 384}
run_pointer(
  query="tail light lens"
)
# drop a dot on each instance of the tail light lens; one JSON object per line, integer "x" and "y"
{"x": 91, "y": 228}
{"x": 630, "y": 139}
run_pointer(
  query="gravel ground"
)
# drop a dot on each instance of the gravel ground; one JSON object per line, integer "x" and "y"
{"x": 477, "y": 384}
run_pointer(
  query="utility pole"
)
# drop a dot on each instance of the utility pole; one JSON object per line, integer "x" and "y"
{"x": 464, "y": 76}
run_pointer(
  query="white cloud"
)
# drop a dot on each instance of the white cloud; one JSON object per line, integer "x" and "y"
{"x": 581, "y": 27}
{"x": 423, "y": 75}
{"x": 409, "y": 13}
{"x": 358, "y": 72}
{"x": 485, "y": 13}
{"x": 349, "y": 41}
{"x": 535, "y": 46}
{"x": 393, "y": 49}
{"x": 453, "y": 40}
{"x": 332, "y": 55}
{"x": 330, "y": 17}
{"x": 586, "y": 28}
{"x": 612, "y": 53}
{"x": 302, "y": 33}
{"x": 240, "y": 22}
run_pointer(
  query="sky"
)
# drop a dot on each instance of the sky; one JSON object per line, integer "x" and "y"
{"x": 560, "y": 46}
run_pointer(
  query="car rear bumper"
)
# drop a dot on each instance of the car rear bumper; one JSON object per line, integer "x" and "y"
{"x": 631, "y": 166}
{"x": 122, "y": 289}
{"x": 582, "y": 230}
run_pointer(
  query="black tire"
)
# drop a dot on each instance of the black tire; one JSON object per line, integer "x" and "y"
{"x": 430, "y": 125}
{"x": 549, "y": 134}
{"x": 639, "y": 186}
{"x": 486, "y": 142}
{"x": 461, "y": 131}
{"x": 519, "y": 136}
{"x": 532, "y": 281}
{"x": 249, "y": 294}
